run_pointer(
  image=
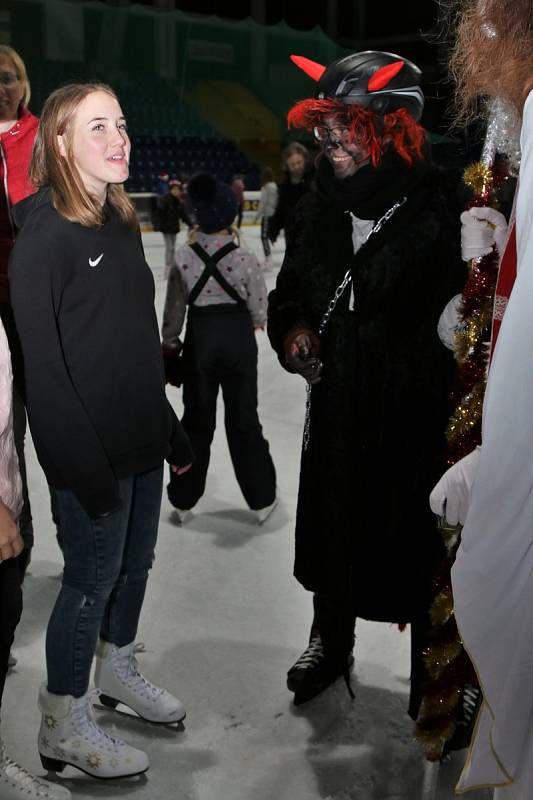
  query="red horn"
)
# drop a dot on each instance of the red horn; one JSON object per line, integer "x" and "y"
{"x": 311, "y": 68}
{"x": 384, "y": 75}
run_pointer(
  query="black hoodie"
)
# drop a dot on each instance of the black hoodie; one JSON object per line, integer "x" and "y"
{"x": 83, "y": 300}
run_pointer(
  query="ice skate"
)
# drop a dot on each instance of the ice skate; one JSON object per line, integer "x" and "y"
{"x": 16, "y": 783}
{"x": 263, "y": 514}
{"x": 180, "y": 516}
{"x": 69, "y": 735}
{"x": 119, "y": 680}
{"x": 313, "y": 671}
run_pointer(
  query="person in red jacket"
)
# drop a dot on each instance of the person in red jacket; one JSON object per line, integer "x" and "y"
{"x": 18, "y": 128}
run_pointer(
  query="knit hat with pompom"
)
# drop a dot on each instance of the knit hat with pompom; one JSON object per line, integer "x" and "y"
{"x": 212, "y": 203}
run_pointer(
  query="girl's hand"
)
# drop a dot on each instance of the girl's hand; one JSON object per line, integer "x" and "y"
{"x": 11, "y": 544}
{"x": 180, "y": 470}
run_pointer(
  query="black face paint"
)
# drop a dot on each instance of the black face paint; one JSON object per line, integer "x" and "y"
{"x": 332, "y": 143}
{"x": 332, "y": 140}
{"x": 360, "y": 160}
{"x": 345, "y": 153}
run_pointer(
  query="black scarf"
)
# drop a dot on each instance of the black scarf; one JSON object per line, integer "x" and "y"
{"x": 371, "y": 191}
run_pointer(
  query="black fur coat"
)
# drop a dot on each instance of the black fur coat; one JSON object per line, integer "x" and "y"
{"x": 379, "y": 414}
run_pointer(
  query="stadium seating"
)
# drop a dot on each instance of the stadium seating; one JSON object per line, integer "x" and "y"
{"x": 167, "y": 134}
{"x": 182, "y": 157}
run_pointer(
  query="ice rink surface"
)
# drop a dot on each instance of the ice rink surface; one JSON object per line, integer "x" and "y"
{"x": 223, "y": 621}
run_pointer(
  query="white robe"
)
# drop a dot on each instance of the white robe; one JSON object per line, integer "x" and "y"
{"x": 493, "y": 574}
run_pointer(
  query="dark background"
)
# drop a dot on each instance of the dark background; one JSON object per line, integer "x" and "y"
{"x": 358, "y": 20}
{"x": 413, "y": 29}
{"x": 411, "y": 25}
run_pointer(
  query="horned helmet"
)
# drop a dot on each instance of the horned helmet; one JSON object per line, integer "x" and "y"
{"x": 382, "y": 82}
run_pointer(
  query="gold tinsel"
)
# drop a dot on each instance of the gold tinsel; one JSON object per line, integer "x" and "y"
{"x": 441, "y": 704}
{"x": 442, "y": 608}
{"x": 467, "y": 414}
{"x": 435, "y": 736}
{"x": 436, "y": 724}
{"x": 439, "y": 656}
{"x": 474, "y": 325}
{"x": 478, "y": 177}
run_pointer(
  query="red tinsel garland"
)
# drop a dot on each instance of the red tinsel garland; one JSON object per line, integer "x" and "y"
{"x": 447, "y": 663}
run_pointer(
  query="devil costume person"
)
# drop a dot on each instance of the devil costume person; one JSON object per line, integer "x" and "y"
{"x": 382, "y": 229}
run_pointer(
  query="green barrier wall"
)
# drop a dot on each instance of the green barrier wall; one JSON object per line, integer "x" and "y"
{"x": 178, "y": 67}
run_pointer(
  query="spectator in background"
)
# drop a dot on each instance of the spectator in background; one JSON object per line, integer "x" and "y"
{"x": 297, "y": 181}
{"x": 267, "y": 207}
{"x": 162, "y": 183}
{"x": 237, "y": 187}
{"x": 18, "y": 128}
{"x": 168, "y": 212}
{"x": 224, "y": 288}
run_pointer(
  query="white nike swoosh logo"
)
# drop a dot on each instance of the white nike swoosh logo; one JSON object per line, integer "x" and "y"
{"x": 96, "y": 260}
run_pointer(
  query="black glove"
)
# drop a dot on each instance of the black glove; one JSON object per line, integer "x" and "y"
{"x": 173, "y": 361}
{"x": 301, "y": 354}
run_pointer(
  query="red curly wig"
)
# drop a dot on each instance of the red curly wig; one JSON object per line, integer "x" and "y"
{"x": 371, "y": 131}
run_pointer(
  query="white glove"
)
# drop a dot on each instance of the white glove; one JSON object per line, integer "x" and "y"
{"x": 482, "y": 228}
{"x": 450, "y": 322}
{"x": 451, "y": 496}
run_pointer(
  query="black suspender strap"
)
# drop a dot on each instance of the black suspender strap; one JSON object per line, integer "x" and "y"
{"x": 211, "y": 271}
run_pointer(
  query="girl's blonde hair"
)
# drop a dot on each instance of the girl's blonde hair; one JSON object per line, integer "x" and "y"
{"x": 492, "y": 55}
{"x": 20, "y": 69}
{"x": 49, "y": 168}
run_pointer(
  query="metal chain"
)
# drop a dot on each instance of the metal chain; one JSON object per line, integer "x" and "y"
{"x": 339, "y": 291}
{"x": 334, "y": 300}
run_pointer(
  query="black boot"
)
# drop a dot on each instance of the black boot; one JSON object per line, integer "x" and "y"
{"x": 469, "y": 705}
{"x": 328, "y": 655}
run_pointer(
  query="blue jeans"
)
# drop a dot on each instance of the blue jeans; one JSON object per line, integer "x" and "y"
{"x": 106, "y": 569}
